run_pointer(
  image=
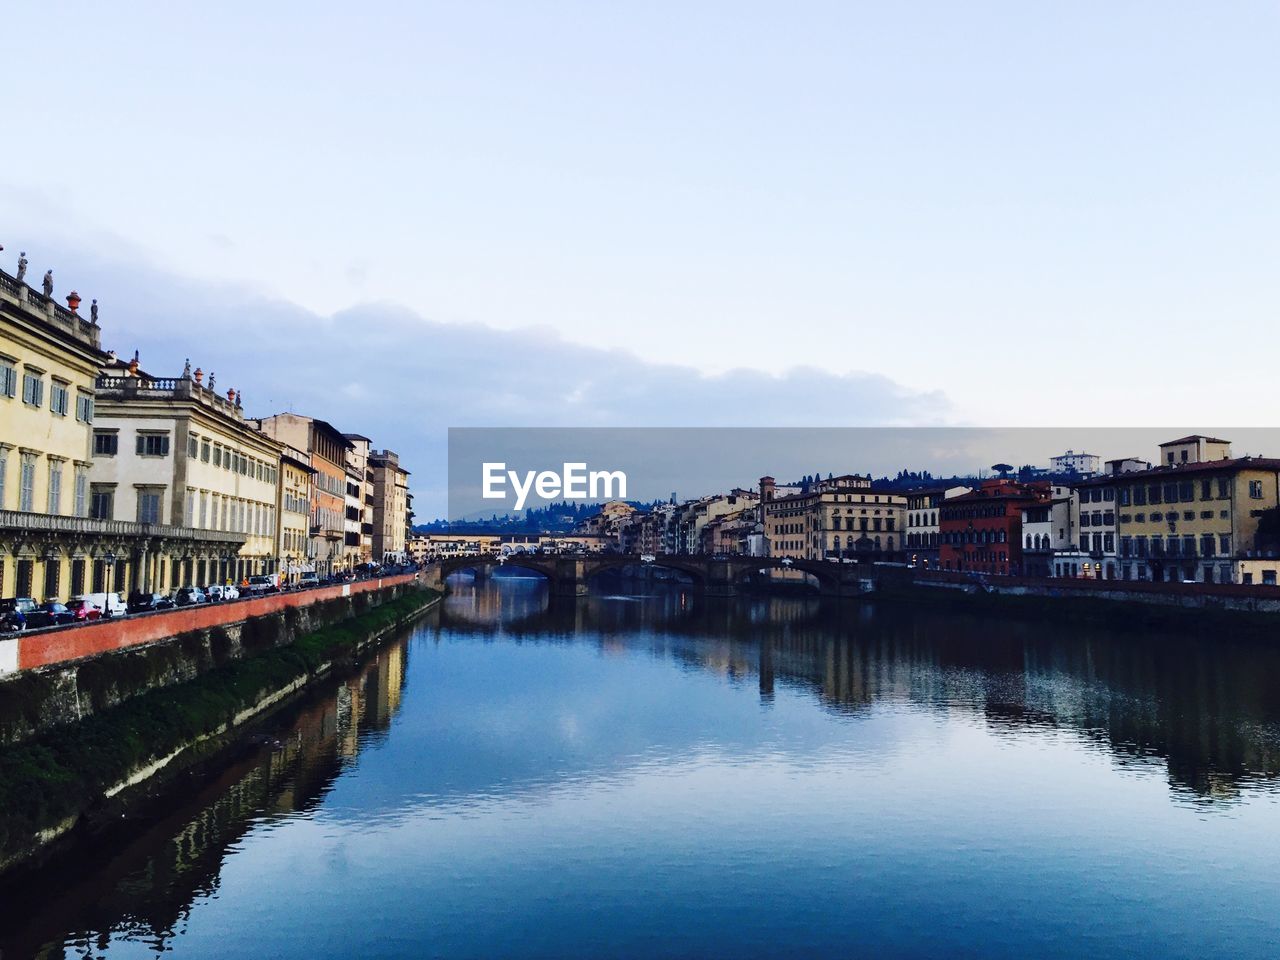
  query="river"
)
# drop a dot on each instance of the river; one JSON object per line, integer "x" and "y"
{"x": 667, "y": 776}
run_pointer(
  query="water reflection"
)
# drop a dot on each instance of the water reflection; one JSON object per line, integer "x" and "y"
{"x": 141, "y": 887}
{"x": 535, "y": 747}
{"x": 1206, "y": 707}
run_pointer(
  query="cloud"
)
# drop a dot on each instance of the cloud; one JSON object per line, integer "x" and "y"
{"x": 403, "y": 379}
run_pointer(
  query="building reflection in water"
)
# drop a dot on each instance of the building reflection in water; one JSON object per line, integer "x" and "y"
{"x": 1204, "y": 707}
{"x": 143, "y": 887}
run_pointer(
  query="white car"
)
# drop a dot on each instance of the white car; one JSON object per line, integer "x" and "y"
{"x": 111, "y": 604}
{"x": 218, "y": 592}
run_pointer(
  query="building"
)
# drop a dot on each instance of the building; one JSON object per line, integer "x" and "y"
{"x": 609, "y": 522}
{"x": 1196, "y": 448}
{"x": 1196, "y": 516}
{"x": 981, "y": 531}
{"x": 1085, "y": 464}
{"x": 326, "y": 449}
{"x": 359, "y": 549}
{"x": 837, "y": 518}
{"x": 294, "y": 508}
{"x": 922, "y": 523}
{"x": 390, "y": 507}
{"x": 50, "y": 545}
{"x": 689, "y": 520}
{"x": 172, "y": 452}
{"x": 1049, "y": 533}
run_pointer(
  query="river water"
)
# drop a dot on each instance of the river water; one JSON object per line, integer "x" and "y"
{"x": 665, "y": 776}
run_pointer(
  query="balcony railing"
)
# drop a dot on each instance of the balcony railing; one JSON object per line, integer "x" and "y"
{"x": 49, "y": 311}
{"x": 87, "y": 526}
{"x": 165, "y": 388}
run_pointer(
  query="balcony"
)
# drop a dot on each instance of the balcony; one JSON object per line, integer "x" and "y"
{"x": 89, "y": 527}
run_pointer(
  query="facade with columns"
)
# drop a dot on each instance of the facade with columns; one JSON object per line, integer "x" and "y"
{"x": 52, "y": 544}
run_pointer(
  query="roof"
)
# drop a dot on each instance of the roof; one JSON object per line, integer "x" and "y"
{"x": 1191, "y": 438}
{"x": 1007, "y": 492}
{"x": 1204, "y": 466}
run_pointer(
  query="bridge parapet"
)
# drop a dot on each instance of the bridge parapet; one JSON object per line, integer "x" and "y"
{"x": 568, "y": 575}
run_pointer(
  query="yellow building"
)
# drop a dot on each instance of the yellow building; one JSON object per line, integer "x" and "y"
{"x": 53, "y": 545}
{"x": 833, "y": 519}
{"x": 1194, "y": 519}
{"x": 295, "y": 511}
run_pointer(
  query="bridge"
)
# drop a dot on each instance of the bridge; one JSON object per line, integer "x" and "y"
{"x": 569, "y": 575}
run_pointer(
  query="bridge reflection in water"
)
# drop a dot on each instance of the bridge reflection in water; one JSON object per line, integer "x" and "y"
{"x": 1202, "y": 715}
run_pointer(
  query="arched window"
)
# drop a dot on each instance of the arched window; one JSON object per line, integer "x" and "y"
{"x": 1037, "y": 546}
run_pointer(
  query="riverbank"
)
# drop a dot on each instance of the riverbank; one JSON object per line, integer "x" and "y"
{"x": 51, "y": 784}
{"x": 1115, "y": 608}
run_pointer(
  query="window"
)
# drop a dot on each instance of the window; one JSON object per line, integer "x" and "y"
{"x": 149, "y": 505}
{"x": 1206, "y": 489}
{"x": 8, "y": 378}
{"x": 191, "y": 508}
{"x": 82, "y": 491}
{"x": 1255, "y": 489}
{"x": 4, "y": 469}
{"x": 1224, "y": 544}
{"x": 106, "y": 443}
{"x": 217, "y": 456}
{"x": 153, "y": 445}
{"x": 27, "y": 483}
{"x": 84, "y": 407}
{"x": 32, "y": 388}
{"x": 55, "y": 487}
{"x": 204, "y": 451}
{"x": 193, "y": 446}
{"x": 1224, "y": 489}
{"x": 102, "y": 498}
{"x": 59, "y": 398}
{"x": 1207, "y": 545}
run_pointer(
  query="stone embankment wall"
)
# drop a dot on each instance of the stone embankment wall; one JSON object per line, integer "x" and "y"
{"x": 1226, "y": 597}
{"x": 69, "y": 674}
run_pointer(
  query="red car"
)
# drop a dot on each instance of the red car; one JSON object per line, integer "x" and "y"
{"x": 84, "y": 610}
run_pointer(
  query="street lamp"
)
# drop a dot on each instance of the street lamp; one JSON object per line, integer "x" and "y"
{"x": 109, "y": 560}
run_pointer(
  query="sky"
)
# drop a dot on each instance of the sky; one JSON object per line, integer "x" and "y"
{"x": 816, "y": 213}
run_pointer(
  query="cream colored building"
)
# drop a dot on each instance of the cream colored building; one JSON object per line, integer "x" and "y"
{"x": 390, "y": 507}
{"x": 834, "y": 519}
{"x": 173, "y": 452}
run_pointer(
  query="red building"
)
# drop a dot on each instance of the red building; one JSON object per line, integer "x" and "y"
{"x": 981, "y": 532}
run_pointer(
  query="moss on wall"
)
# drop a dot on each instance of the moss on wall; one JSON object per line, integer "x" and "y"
{"x": 65, "y": 771}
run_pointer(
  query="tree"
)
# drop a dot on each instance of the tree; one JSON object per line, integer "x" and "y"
{"x": 1002, "y": 469}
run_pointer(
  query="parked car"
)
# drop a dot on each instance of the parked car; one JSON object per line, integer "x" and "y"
{"x": 220, "y": 591}
{"x": 311, "y": 579}
{"x": 143, "y": 602}
{"x": 14, "y": 611}
{"x": 189, "y": 596}
{"x": 84, "y": 610}
{"x": 260, "y": 585}
{"x": 51, "y": 613}
{"x": 111, "y": 604}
